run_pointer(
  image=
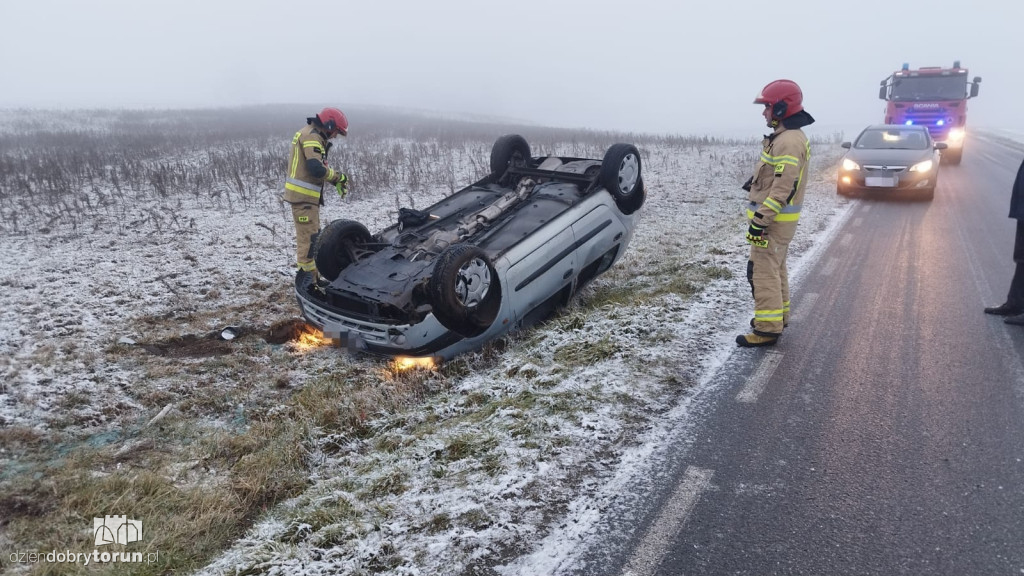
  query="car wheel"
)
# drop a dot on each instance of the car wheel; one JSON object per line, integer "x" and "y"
{"x": 841, "y": 191}
{"x": 509, "y": 150}
{"x": 338, "y": 245}
{"x": 620, "y": 174}
{"x": 465, "y": 292}
{"x": 635, "y": 201}
{"x": 952, "y": 158}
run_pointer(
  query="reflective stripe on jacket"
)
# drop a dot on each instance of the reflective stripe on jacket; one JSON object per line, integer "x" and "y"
{"x": 777, "y": 189}
{"x": 300, "y": 185}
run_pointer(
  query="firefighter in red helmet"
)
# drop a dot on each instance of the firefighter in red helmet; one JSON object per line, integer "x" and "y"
{"x": 307, "y": 173}
{"x": 776, "y": 195}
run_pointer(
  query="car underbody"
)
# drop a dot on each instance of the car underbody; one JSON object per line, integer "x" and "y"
{"x": 445, "y": 274}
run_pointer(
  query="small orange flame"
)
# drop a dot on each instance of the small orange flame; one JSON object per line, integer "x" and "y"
{"x": 405, "y": 363}
{"x": 309, "y": 338}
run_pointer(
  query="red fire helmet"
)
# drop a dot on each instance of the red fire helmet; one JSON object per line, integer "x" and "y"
{"x": 784, "y": 96}
{"x": 333, "y": 120}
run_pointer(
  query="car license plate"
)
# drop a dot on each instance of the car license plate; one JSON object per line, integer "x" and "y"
{"x": 880, "y": 181}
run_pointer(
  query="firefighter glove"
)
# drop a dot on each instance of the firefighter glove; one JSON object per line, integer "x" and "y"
{"x": 746, "y": 185}
{"x": 756, "y": 236}
{"x": 342, "y": 184}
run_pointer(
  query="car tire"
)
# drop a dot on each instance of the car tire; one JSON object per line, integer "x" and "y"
{"x": 509, "y": 150}
{"x": 635, "y": 201}
{"x": 620, "y": 175}
{"x": 951, "y": 158}
{"x": 338, "y": 245}
{"x": 465, "y": 291}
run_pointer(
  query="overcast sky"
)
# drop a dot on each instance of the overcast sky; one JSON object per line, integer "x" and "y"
{"x": 679, "y": 66}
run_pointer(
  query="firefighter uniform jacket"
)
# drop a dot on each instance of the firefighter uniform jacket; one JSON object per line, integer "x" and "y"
{"x": 777, "y": 188}
{"x": 776, "y": 196}
{"x": 302, "y": 185}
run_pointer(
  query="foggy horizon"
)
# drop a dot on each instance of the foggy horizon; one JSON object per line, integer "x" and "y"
{"x": 650, "y": 67}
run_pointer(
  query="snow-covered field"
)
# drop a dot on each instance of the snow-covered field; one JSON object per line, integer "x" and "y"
{"x": 108, "y": 347}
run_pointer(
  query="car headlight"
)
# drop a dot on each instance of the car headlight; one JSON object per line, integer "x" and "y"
{"x": 922, "y": 167}
{"x": 850, "y": 164}
{"x": 956, "y": 134}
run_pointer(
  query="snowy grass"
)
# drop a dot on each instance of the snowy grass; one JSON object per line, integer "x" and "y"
{"x": 119, "y": 398}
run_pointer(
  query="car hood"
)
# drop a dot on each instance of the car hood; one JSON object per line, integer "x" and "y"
{"x": 889, "y": 157}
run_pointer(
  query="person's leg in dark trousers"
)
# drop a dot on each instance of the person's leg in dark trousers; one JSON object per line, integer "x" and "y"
{"x": 1015, "y": 297}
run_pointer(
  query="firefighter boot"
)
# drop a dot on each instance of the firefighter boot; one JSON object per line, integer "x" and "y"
{"x": 755, "y": 340}
{"x": 309, "y": 279}
{"x": 319, "y": 282}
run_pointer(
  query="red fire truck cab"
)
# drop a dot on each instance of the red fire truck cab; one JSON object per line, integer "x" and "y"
{"x": 934, "y": 97}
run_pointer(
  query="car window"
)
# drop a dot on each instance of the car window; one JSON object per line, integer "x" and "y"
{"x": 892, "y": 139}
{"x": 915, "y": 140}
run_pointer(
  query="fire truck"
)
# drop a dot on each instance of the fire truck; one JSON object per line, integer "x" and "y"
{"x": 934, "y": 97}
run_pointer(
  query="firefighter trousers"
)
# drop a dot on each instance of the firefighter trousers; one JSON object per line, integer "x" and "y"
{"x": 307, "y": 225}
{"x": 769, "y": 280}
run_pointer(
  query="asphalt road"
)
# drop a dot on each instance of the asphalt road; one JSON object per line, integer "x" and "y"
{"x": 885, "y": 433}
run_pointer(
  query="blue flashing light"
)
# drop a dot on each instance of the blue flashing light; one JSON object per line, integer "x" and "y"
{"x": 909, "y": 122}
{"x": 940, "y": 123}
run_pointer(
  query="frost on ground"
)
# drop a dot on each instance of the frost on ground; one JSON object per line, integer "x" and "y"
{"x": 451, "y": 488}
{"x": 112, "y": 310}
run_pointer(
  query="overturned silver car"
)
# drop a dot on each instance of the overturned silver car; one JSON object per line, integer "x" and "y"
{"x": 500, "y": 254}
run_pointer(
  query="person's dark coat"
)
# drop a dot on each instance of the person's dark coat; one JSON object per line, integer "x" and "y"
{"x": 1017, "y": 196}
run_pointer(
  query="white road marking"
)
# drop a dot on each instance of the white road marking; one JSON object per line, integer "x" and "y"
{"x": 759, "y": 379}
{"x": 656, "y": 541}
{"x": 846, "y": 239}
{"x": 857, "y": 221}
{"x": 867, "y": 207}
{"x": 805, "y": 303}
{"x": 830, "y": 266}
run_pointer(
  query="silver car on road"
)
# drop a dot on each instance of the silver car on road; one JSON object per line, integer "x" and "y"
{"x": 888, "y": 159}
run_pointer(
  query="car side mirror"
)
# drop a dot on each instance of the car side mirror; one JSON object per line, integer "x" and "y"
{"x": 847, "y": 145}
{"x": 974, "y": 90}
{"x": 881, "y": 93}
{"x": 941, "y": 145}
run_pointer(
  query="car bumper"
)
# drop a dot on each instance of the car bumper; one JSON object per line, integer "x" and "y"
{"x": 859, "y": 181}
{"x": 426, "y": 338}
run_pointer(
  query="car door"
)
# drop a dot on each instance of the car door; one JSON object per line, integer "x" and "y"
{"x": 596, "y": 234}
{"x": 547, "y": 265}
